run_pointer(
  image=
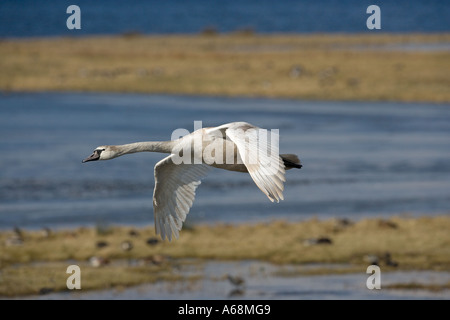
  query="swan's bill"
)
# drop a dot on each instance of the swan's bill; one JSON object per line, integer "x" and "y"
{"x": 93, "y": 157}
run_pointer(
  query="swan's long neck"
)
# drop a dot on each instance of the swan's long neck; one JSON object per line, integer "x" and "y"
{"x": 148, "y": 146}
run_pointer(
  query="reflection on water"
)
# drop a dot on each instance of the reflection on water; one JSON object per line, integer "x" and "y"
{"x": 360, "y": 159}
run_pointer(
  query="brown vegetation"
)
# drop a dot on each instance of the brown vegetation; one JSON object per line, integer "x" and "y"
{"x": 40, "y": 259}
{"x": 324, "y": 67}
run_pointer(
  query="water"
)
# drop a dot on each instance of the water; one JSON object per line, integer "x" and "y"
{"x": 361, "y": 159}
{"x": 29, "y": 18}
{"x": 263, "y": 281}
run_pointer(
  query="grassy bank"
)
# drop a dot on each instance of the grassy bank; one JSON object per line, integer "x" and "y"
{"x": 32, "y": 261}
{"x": 324, "y": 67}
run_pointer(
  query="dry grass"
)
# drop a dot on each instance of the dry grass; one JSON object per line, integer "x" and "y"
{"x": 413, "y": 243}
{"x": 325, "y": 67}
{"x": 51, "y": 277}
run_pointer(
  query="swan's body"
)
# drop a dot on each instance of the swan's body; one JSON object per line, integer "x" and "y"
{"x": 232, "y": 146}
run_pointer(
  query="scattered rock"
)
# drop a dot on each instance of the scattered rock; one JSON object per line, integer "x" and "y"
{"x": 386, "y": 260}
{"x": 317, "y": 241}
{"x": 133, "y": 233}
{"x": 344, "y": 222}
{"x": 236, "y": 293}
{"x": 45, "y": 290}
{"x": 152, "y": 241}
{"x": 126, "y": 245}
{"x": 324, "y": 240}
{"x": 102, "y": 244}
{"x": 98, "y": 261}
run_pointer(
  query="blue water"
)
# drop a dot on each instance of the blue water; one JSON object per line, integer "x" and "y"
{"x": 361, "y": 159}
{"x": 30, "y": 18}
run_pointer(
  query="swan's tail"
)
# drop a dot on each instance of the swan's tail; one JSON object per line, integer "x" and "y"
{"x": 291, "y": 161}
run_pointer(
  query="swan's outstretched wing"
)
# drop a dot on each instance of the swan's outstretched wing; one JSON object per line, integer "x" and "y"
{"x": 174, "y": 194}
{"x": 259, "y": 151}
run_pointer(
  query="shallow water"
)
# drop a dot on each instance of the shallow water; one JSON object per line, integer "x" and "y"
{"x": 360, "y": 159}
{"x": 262, "y": 282}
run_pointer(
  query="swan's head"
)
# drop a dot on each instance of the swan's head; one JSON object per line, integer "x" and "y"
{"x": 102, "y": 153}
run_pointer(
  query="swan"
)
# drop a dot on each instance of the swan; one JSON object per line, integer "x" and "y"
{"x": 236, "y": 146}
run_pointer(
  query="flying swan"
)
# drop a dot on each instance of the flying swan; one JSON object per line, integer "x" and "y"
{"x": 236, "y": 146}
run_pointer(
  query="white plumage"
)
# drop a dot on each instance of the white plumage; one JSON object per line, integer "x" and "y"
{"x": 236, "y": 146}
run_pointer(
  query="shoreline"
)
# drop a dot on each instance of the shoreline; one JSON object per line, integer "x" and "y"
{"x": 336, "y": 246}
{"x": 354, "y": 67}
{"x": 212, "y": 96}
